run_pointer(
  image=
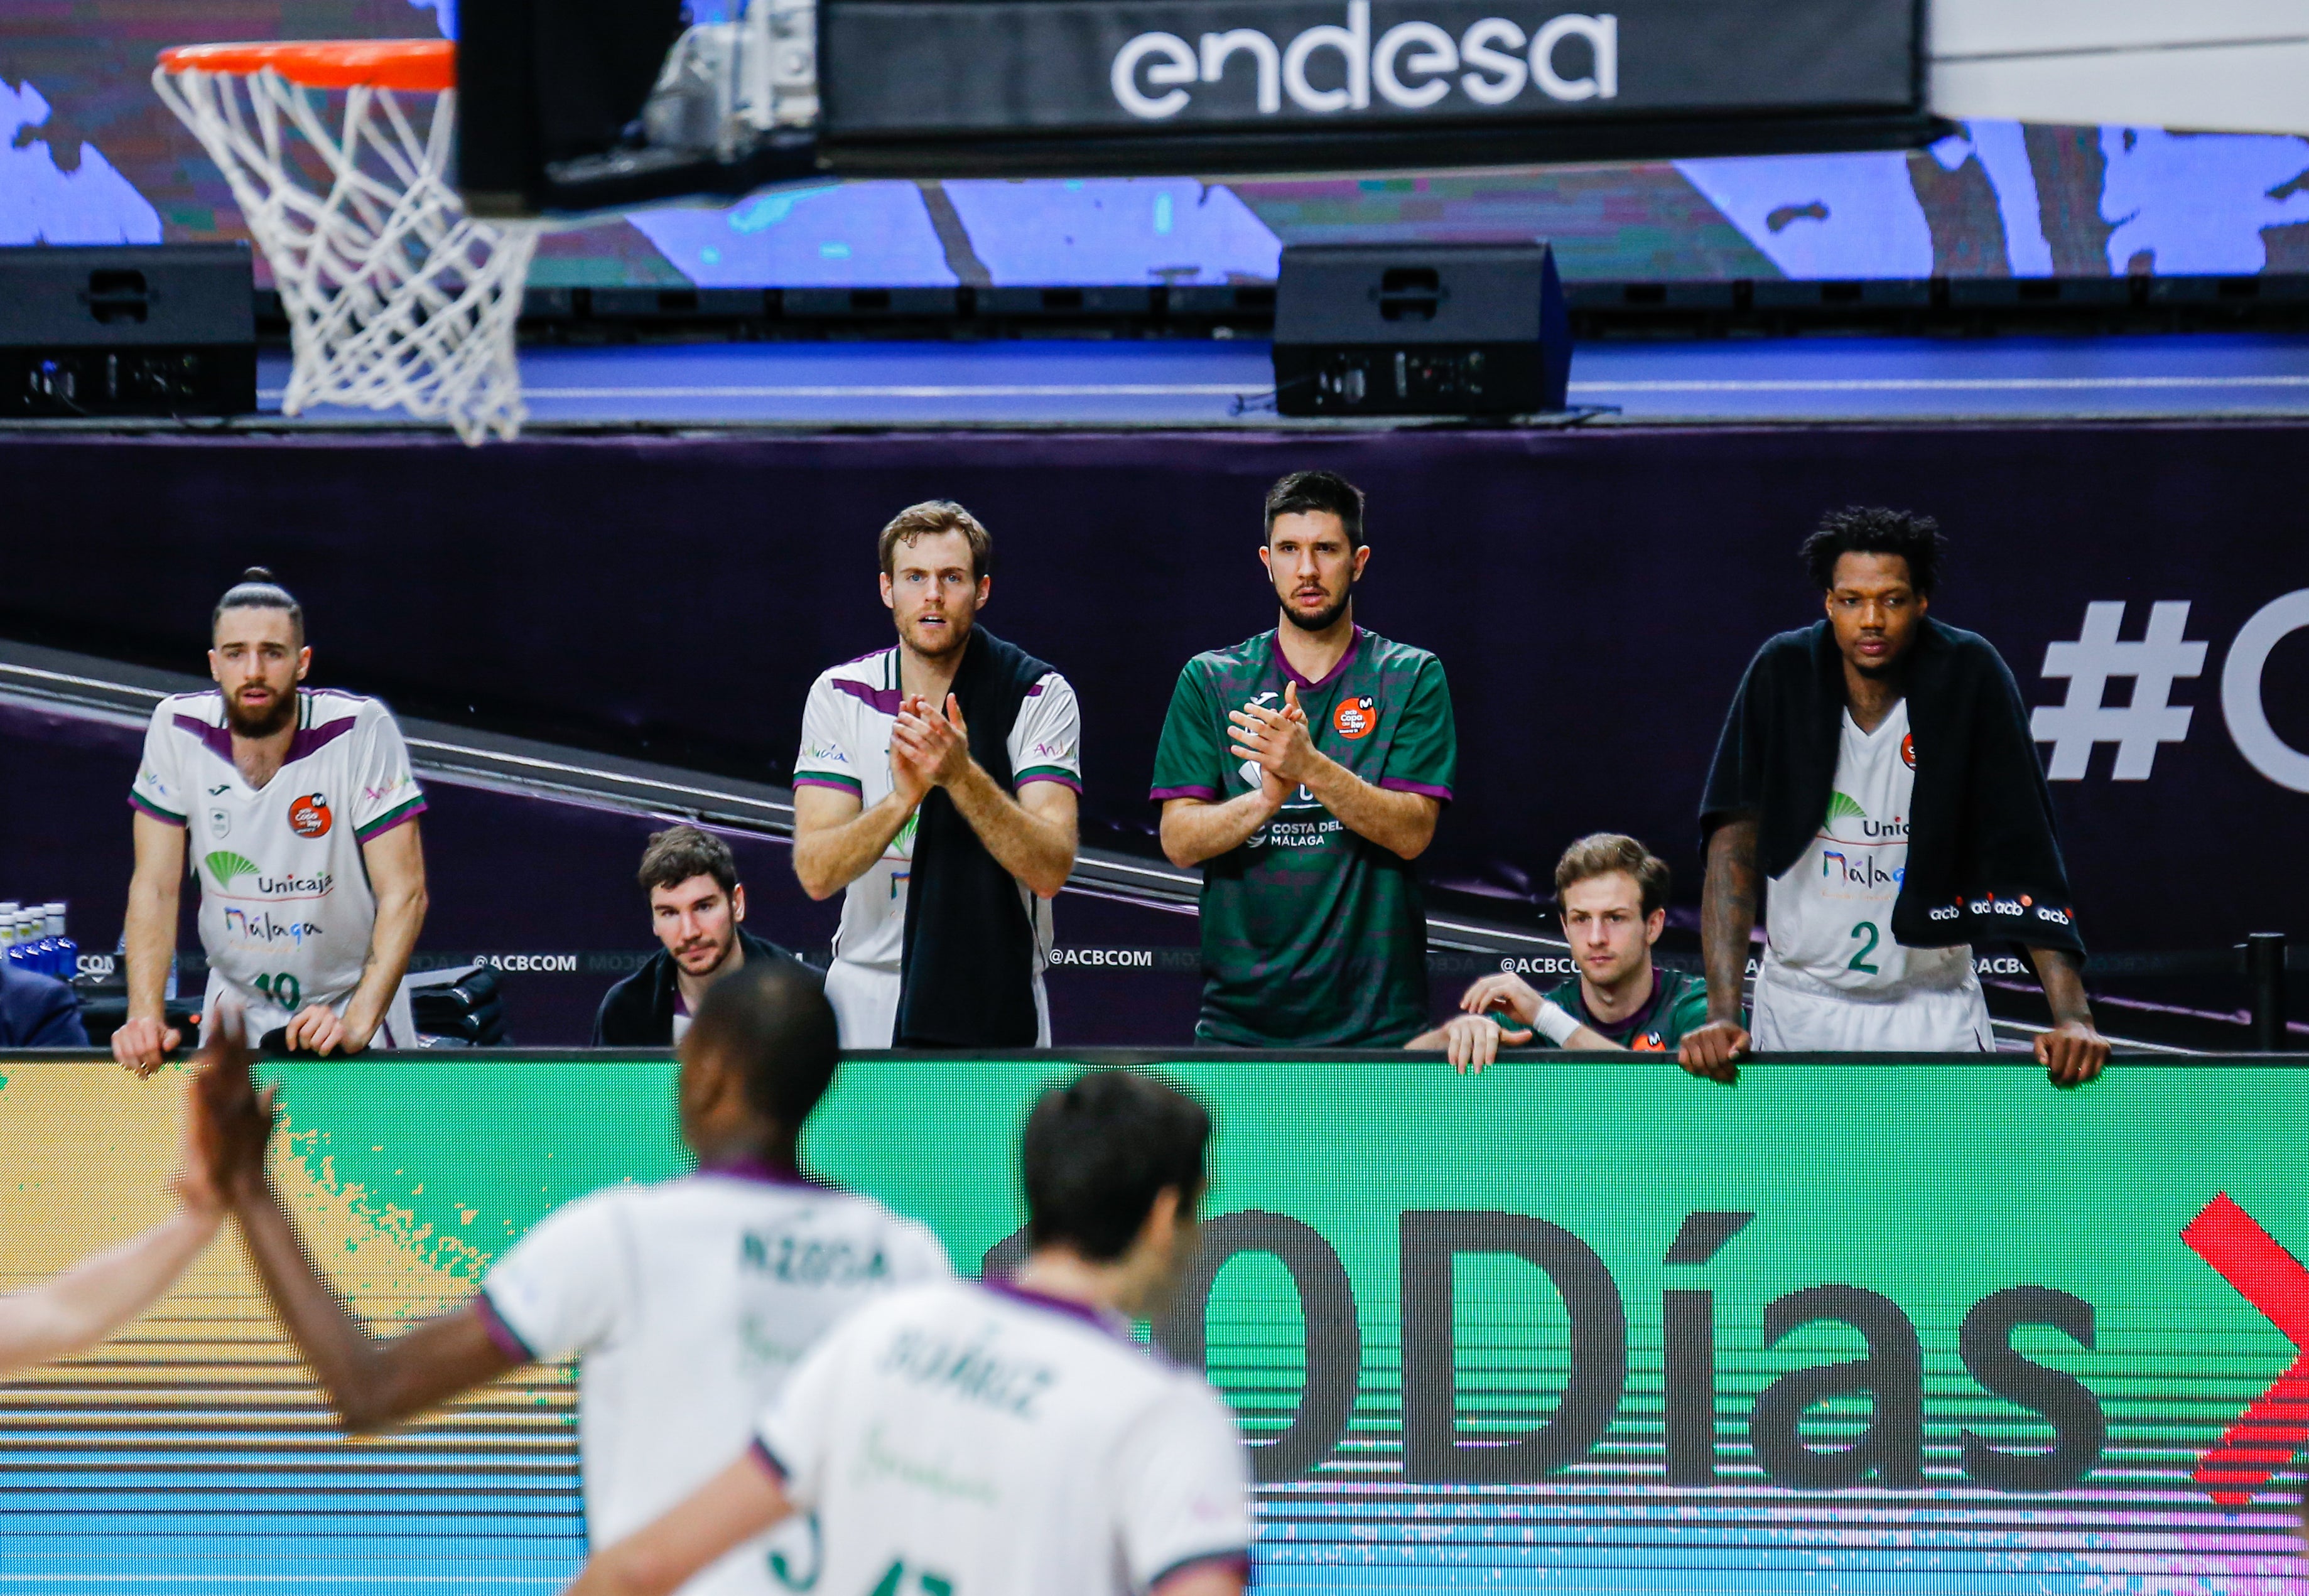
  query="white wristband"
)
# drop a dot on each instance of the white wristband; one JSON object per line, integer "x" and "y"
{"x": 1553, "y": 1023}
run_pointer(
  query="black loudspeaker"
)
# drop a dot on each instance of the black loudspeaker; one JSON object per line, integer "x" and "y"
{"x": 128, "y": 330}
{"x": 1420, "y": 329}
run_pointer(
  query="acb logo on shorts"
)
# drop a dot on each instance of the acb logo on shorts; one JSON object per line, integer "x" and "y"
{"x": 1356, "y": 717}
{"x": 309, "y": 815}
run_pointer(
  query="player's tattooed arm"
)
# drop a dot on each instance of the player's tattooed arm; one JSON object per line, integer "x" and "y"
{"x": 1279, "y": 742}
{"x": 372, "y": 1384}
{"x": 2072, "y": 1051}
{"x": 145, "y": 1036}
{"x": 736, "y": 1504}
{"x": 395, "y": 861}
{"x": 1727, "y": 921}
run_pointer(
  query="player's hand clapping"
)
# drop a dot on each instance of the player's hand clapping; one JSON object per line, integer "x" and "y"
{"x": 932, "y": 748}
{"x": 141, "y": 1046}
{"x": 1715, "y": 1050}
{"x": 1276, "y": 740}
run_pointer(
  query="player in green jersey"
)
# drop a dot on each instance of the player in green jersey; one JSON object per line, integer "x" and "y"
{"x": 1613, "y": 893}
{"x": 1303, "y": 770}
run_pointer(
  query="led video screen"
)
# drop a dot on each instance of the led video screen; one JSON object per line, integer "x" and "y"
{"x": 1902, "y": 1325}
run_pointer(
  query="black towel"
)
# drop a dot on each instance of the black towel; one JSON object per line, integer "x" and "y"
{"x": 967, "y": 973}
{"x": 1984, "y": 859}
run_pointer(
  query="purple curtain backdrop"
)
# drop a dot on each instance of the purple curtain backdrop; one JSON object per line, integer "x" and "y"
{"x": 1593, "y": 595}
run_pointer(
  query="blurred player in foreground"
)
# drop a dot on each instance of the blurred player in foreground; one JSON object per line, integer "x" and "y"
{"x": 689, "y": 1300}
{"x": 966, "y": 1439}
{"x": 1614, "y": 893}
{"x": 97, "y": 1296}
{"x": 301, "y": 813}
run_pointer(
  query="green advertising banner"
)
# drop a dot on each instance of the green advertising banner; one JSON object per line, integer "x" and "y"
{"x": 1892, "y": 1325}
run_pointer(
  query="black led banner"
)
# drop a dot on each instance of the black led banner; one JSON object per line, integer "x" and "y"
{"x": 910, "y": 67}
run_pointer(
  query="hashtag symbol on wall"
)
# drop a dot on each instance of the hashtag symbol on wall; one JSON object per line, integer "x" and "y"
{"x": 2089, "y": 663}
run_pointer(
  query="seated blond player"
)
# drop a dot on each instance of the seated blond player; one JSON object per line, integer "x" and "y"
{"x": 1005, "y": 1438}
{"x": 1614, "y": 893}
{"x": 97, "y": 1296}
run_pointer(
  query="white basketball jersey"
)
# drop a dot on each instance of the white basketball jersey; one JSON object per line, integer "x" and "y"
{"x": 984, "y": 1441}
{"x": 1830, "y": 916}
{"x": 845, "y": 745}
{"x": 690, "y": 1303}
{"x": 286, "y": 908}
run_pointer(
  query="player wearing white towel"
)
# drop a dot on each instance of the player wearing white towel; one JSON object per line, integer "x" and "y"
{"x": 690, "y": 1301}
{"x": 300, "y": 811}
{"x": 875, "y": 742}
{"x": 1006, "y": 1439}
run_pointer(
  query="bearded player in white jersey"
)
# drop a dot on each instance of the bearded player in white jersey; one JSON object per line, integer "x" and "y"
{"x": 985, "y": 1439}
{"x": 300, "y": 811}
{"x": 882, "y": 731}
{"x": 690, "y": 1301}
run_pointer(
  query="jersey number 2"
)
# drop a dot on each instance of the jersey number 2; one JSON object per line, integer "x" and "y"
{"x": 1859, "y": 960}
{"x": 893, "y": 1583}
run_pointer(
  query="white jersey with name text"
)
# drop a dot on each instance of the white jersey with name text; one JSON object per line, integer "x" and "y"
{"x": 690, "y": 1302}
{"x": 846, "y": 746}
{"x": 286, "y": 908}
{"x": 984, "y": 1441}
{"x": 1829, "y": 917}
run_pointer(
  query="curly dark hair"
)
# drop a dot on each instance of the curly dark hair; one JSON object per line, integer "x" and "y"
{"x": 1859, "y": 529}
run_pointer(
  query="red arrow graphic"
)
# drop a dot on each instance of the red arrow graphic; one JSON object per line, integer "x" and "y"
{"x": 2273, "y": 1426}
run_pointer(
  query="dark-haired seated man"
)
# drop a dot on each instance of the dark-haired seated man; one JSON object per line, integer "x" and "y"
{"x": 1877, "y": 767}
{"x": 697, "y": 904}
{"x": 678, "y": 1296}
{"x": 1612, "y": 891}
{"x": 992, "y": 1438}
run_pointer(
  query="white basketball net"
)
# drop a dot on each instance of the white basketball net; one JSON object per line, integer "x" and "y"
{"x": 395, "y": 298}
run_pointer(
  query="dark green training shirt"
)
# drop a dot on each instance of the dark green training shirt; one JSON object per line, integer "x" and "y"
{"x": 1679, "y": 1003}
{"x": 1312, "y": 935}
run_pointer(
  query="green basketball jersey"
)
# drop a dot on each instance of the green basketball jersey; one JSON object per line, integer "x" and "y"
{"x": 1313, "y": 936}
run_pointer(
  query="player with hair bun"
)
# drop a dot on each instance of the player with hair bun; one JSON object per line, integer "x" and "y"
{"x": 299, "y": 812}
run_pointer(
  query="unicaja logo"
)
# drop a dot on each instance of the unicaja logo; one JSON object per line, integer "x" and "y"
{"x": 1413, "y": 66}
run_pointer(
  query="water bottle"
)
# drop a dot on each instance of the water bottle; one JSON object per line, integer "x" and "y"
{"x": 65, "y": 957}
{"x": 18, "y": 948}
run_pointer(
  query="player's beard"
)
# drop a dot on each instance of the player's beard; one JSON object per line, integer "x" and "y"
{"x": 957, "y": 632}
{"x": 1322, "y": 620}
{"x": 260, "y": 723}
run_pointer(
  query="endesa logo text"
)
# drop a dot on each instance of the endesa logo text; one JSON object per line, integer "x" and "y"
{"x": 1413, "y": 66}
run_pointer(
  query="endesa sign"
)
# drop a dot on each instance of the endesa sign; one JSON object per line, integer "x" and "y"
{"x": 1114, "y": 64}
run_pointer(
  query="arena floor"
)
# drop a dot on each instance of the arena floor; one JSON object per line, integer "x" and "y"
{"x": 1197, "y": 384}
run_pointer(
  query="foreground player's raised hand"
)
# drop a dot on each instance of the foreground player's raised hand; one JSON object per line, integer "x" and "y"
{"x": 88, "y": 1302}
{"x": 371, "y": 1384}
{"x": 738, "y": 1503}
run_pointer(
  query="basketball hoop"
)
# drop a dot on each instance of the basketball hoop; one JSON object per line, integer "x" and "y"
{"x": 395, "y": 297}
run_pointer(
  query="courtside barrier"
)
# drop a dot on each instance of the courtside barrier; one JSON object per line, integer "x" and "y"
{"x": 1923, "y": 1323}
